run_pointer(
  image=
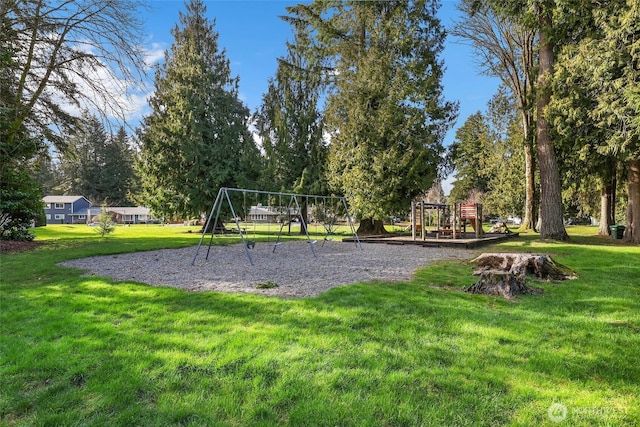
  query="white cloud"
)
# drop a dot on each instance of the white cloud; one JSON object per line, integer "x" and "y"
{"x": 154, "y": 54}
{"x": 114, "y": 97}
{"x": 256, "y": 136}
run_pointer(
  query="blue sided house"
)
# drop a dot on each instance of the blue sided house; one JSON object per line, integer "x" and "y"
{"x": 66, "y": 209}
{"x": 78, "y": 210}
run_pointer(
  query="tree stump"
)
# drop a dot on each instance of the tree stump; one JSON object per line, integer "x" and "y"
{"x": 505, "y": 274}
{"x": 501, "y": 283}
{"x": 540, "y": 265}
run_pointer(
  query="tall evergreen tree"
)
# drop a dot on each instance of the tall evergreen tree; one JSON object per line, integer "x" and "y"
{"x": 196, "y": 138}
{"x": 385, "y": 113}
{"x": 597, "y": 103}
{"x": 290, "y": 125}
{"x": 100, "y": 167}
{"x": 82, "y": 165}
{"x": 488, "y": 158}
{"x": 118, "y": 175}
{"x": 505, "y": 164}
{"x": 467, "y": 154}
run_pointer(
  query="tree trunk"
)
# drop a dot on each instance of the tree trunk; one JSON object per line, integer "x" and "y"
{"x": 370, "y": 226}
{"x": 520, "y": 264}
{"x": 612, "y": 201}
{"x": 607, "y": 198}
{"x": 219, "y": 228}
{"x": 501, "y": 283}
{"x": 632, "y": 230}
{"x": 552, "y": 226}
{"x": 304, "y": 208}
{"x": 605, "y": 210}
{"x": 529, "y": 222}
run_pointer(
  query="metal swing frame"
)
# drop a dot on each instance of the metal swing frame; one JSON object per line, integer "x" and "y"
{"x": 328, "y": 227}
{"x": 223, "y": 195}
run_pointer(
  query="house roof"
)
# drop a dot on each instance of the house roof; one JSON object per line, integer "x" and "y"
{"x": 261, "y": 210}
{"x": 62, "y": 199}
{"x": 270, "y": 210}
{"x": 131, "y": 210}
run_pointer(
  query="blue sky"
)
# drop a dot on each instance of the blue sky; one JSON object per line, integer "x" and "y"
{"x": 254, "y": 36}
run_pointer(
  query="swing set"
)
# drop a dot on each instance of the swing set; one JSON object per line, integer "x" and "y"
{"x": 326, "y": 211}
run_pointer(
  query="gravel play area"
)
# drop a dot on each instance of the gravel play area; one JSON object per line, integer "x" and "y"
{"x": 293, "y": 268}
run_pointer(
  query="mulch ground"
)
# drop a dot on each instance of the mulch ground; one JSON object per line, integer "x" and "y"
{"x": 13, "y": 246}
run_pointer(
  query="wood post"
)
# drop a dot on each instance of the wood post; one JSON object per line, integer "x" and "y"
{"x": 423, "y": 229}
{"x": 413, "y": 220}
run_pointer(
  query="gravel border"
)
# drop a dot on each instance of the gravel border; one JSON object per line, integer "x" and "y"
{"x": 292, "y": 267}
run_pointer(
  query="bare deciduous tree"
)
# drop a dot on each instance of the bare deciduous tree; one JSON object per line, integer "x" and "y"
{"x": 58, "y": 58}
{"x": 68, "y": 56}
{"x": 505, "y": 50}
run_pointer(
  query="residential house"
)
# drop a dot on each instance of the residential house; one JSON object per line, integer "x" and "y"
{"x": 266, "y": 214}
{"x": 78, "y": 210}
{"x": 66, "y": 209}
{"x": 127, "y": 215}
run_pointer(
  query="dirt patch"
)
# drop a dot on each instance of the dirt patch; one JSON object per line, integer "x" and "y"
{"x": 14, "y": 246}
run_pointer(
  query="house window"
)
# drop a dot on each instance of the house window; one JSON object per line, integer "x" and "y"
{"x": 59, "y": 216}
{"x": 47, "y": 206}
{"x": 48, "y": 216}
{"x": 59, "y": 205}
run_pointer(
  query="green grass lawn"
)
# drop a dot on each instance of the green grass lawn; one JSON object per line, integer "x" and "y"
{"x": 79, "y": 350}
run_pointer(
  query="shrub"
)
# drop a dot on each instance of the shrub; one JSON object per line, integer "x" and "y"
{"x": 20, "y": 204}
{"x": 105, "y": 222}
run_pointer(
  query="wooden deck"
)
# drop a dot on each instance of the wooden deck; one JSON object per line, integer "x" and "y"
{"x": 431, "y": 241}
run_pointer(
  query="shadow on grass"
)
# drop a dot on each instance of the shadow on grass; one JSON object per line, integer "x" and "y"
{"x": 93, "y": 351}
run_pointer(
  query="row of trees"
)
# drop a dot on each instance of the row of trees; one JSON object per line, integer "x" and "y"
{"x": 572, "y": 68}
{"x": 355, "y": 106}
{"x": 97, "y": 165}
{"x": 489, "y": 160}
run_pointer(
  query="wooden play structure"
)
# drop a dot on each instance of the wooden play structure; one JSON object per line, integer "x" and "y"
{"x": 472, "y": 213}
{"x": 439, "y": 220}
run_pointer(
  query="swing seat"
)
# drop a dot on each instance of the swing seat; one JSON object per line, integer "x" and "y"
{"x": 251, "y": 244}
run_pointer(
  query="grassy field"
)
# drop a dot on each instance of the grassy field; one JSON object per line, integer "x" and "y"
{"x": 79, "y": 350}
